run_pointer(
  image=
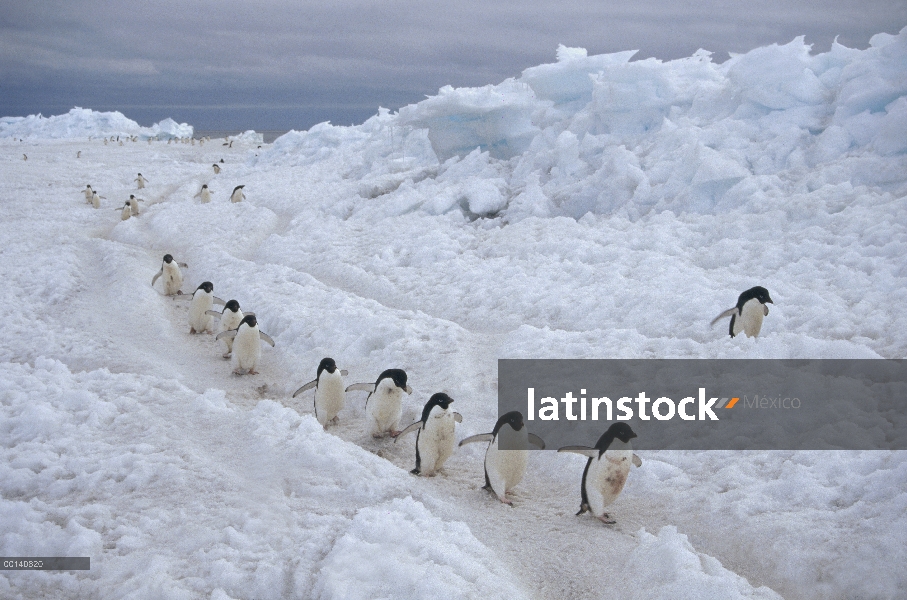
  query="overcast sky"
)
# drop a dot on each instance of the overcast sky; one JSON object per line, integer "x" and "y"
{"x": 288, "y": 64}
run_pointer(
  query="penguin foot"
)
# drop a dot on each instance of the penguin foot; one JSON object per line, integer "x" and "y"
{"x": 253, "y": 372}
{"x": 394, "y": 433}
{"x": 606, "y": 519}
{"x": 506, "y": 501}
{"x": 415, "y": 472}
{"x": 192, "y": 330}
{"x": 227, "y": 354}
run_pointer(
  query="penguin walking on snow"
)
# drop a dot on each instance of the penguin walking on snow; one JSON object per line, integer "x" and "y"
{"x": 202, "y": 301}
{"x": 141, "y": 180}
{"x": 88, "y": 193}
{"x": 216, "y": 169}
{"x": 204, "y": 194}
{"x": 330, "y": 396}
{"x": 230, "y": 318}
{"x": 95, "y": 199}
{"x": 246, "y": 345}
{"x": 126, "y": 211}
{"x": 134, "y": 205}
{"x": 606, "y": 470}
{"x": 173, "y": 277}
{"x": 434, "y": 435}
{"x": 504, "y": 469}
{"x": 747, "y": 316}
{"x": 384, "y": 404}
{"x": 237, "y": 195}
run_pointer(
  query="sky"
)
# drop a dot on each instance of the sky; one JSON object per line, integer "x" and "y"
{"x": 274, "y": 65}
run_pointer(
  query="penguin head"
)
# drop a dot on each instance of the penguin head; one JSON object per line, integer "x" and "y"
{"x": 207, "y": 286}
{"x": 440, "y": 399}
{"x": 132, "y": 196}
{"x": 139, "y": 173}
{"x": 326, "y": 364}
{"x": 168, "y": 259}
{"x": 620, "y": 431}
{"x": 514, "y": 418}
{"x": 248, "y": 320}
{"x": 232, "y": 306}
{"x": 205, "y": 186}
{"x": 239, "y": 187}
{"x": 88, "y": 186}
{"x": 758, "y": 292}
{"x": 398, "y": 376}
{"x": 221, "y": 160}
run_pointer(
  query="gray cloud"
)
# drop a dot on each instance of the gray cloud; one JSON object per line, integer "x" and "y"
{"x": 285, "y": 64}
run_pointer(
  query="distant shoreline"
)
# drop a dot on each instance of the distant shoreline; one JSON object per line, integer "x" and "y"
{"x": 269, "y": 135}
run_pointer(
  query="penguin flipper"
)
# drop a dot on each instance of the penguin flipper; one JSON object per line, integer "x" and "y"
{"x": 306, "y": 387}
{"x": 728, "y": 313}
{"x": 409, "y": 429}
{"x": 584, "y": 450}
{"x": 219, "y": 302}
{"x": 482, "y": 437}
{"x": 637, "y": 462}
{"x": 458, "y": 417}
{"x": 214, "y": 313}
{"x": 226, "y": 335}
{"x": 264, "y": 336}
{"x": 361, "y": 387}
{"x": 536, "y": 441}
{"x": 183, "y": 265}
{"x": 155, "y": 278}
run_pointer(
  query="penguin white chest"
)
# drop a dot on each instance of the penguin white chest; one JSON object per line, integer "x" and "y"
{"x": 506, "y": 468}
{"x": 330, "y": 396}
{"x": 125, "y": 213}
{"x": 246, "y": 349}
{"x": 750, "y": 321}
{"x": 173, "y": 278}
{"x": 436, "y": 441}
{"x": 606, "y": 478}
{"x": 205, "y": 196}
{"x": 229, "y": 320}
{"x": 199, "y": 320}
{"x": 385, "y": 407}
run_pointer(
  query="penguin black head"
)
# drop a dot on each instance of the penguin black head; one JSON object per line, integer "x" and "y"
{"x": 205, "y": 186}
{"x": 221, "y": 160}
{"x": 398, "y": 376}
{"x": 239, "y": 187}
{"x": 514, "y": 418}
{"x": 440, "y": 399}
{"x": 232, "y": 306}
{"x": 168, "y": 259}
{"x": 326, "y": 364}
{"x": 132, "y": 196}
{"x": 248, "y": 320}
{"x": 620, "y": 431}
{"x": 207, "y": 286}
{"x": 758, "y": 292}
{"x": 118, "y": 137}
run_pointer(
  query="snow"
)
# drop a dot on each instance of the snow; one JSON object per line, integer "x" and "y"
{"x": 596, "y": 207}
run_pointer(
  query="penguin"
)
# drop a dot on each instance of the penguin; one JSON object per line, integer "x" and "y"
{"x": 141, "y": 180}
{"x": 204, "y": 193}
{"x": 79, "y": 154}
{"x": 246, "y": 345}
{"x": 95, "y": 200}
{"x": 329, "y": 393}
{"x": 173, "y": 277}
{"x": 88, "y": 193}
{"x": 504, "y": 469}
{"x": 237, "y": 195}
{"x": 747, "y": 316}
{"x": 216, "y": 169}
{"x": 202, "y": 301}
{"x": 230, "y": 318}
{"x": 134, "y": 204}
{"x": 383, "y": 406}
{"x": 24, "y": 157}
{"x": 606, "y": 470}
{"x": 126, "y": 211}
{"x": 434, "y": 435}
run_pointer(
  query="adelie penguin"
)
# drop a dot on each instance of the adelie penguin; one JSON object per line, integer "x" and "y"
{"x": 504, "y": 469}
{"x": 230, "y": 318}
{"x": 330, "y": 396}
{"x": 134, "y": 205}
{"x": 173, "y": 277}
{"x": 237, "y": 195}
{"x": 747, "y": 316}
{"x": 204, "y": 194}
{"x": 384, "y": 405}
{"x": 606, "y": 470}
{"x": 216, "y": 168}
{"x": 202, "y": 301}
{"x": 88, "y": 193}
{"x": 126, "y": 211}
{"x": 246, "y": 345}
{"x": 434, "y": 435}
{"x": 141, "y": 181}
{"x": 95, "y": 200}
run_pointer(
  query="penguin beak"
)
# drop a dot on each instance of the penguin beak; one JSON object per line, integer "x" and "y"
{"x": 408, "y": 390}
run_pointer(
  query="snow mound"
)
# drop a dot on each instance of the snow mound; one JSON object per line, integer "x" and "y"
{"x": 84, "y": 122}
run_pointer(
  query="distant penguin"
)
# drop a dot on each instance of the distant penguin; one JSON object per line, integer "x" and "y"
{"x": 384, "y": 404}
{"x": 173, "y": 277}
{"x": 134, "y": 204}
{"x": 435, "y": 435}
{"x": 88, "y": 193}
{"x": 126, "y": 212}
{"x": 237, "y": 195}
{"x": 230, "y": 318}
{"x": 24, "y": 157}
{"x": 141, "y": 181}
{"x": 204, "y": 194}
{"x": 504, "y": 469}
{"x": 95, "y": 200}
{"x": 79, "y": 154}
{"x": 606, "y": 470}
{"x": 216, "y": 169}
{"x": 202, "y": 301}
{"x": 246, "y": 345}
{"x": 747, "y": 316}
{"x": 330, "y": 396}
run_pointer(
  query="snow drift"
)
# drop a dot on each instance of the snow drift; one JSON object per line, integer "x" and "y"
{"x": 83, "y": 122}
